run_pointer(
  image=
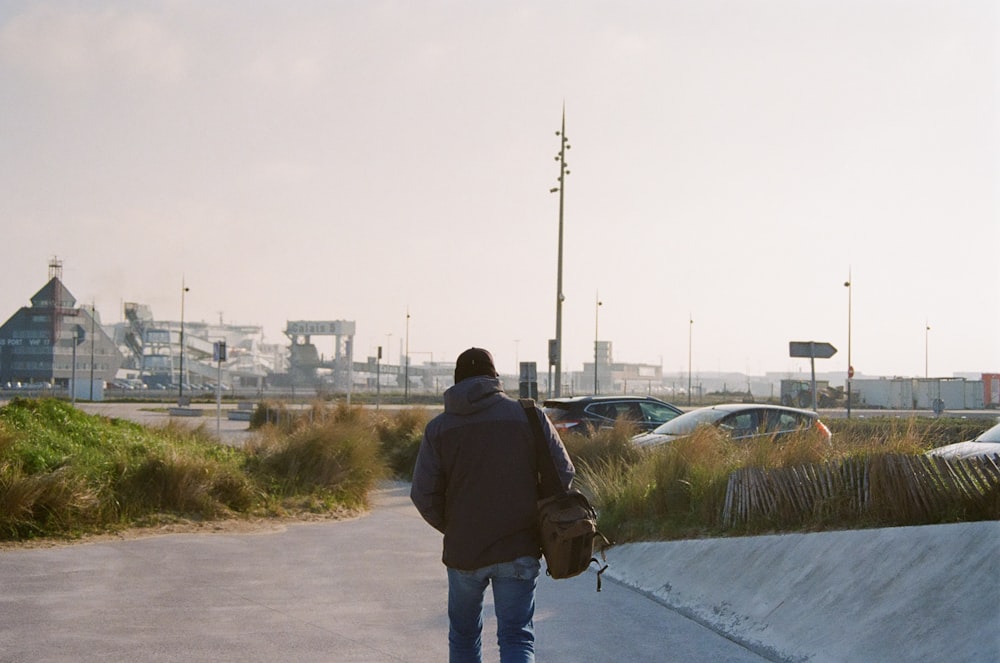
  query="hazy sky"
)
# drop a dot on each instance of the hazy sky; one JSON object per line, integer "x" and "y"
{"x": 731, "y": 161}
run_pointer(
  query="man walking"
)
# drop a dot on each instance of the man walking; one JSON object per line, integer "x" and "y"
{"x": 476, "y": 481}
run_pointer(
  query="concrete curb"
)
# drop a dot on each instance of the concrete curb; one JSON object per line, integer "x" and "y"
{"x": 893, "y": 594}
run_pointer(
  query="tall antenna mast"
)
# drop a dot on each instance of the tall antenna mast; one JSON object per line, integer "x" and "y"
{"x": 55, "y": 268}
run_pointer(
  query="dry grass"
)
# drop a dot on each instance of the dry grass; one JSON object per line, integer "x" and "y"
{"x": 679, "y": 490}
{"x": 331, "y": 457}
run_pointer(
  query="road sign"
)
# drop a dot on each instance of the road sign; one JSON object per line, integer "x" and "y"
{"x": 811, "y": 349}
{"x": 528, "y": 382}
{"x": 814, "y": 351}
{"x": 528, "y": 371}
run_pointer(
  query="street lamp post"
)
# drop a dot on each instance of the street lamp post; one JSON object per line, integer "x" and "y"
{"x": 850, "y": 366}
{"x": 406, "y": 369}
{"x": 93, "y": 321}
{"x": 556, "y": 359}
{"x": 180, "y": 378}
{"x": 927, "y": 330}
{"x": 76, "y": 341}
{"x": 597, "y": 310}
{"x": 378, "y": 378}
{"x": 690, "y": 327}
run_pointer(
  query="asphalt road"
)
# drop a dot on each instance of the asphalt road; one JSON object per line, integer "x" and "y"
{"x": 368, "y": 589}
{"x": 214, "y": 420}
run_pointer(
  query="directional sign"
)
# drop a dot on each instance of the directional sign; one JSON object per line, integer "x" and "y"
{"x": 811, "y": 349}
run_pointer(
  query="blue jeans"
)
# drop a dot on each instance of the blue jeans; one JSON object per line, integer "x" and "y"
{"x": 513, "y": 600}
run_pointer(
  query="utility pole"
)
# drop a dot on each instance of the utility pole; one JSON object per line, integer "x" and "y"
{"x": 93, "y": 314}
{"x": 850, "y": 367}
{"x": 378, "y": 379}
{"x": 597, "y": 311}
{"x": 927, "y": 331}
{"x": 180, "y": 377}
{"x": 555, "y": 357}
{"x": 406, "y": 365}
{"x": 690, "y": 332}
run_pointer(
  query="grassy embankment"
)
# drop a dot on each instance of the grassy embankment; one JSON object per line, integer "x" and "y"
{"x": 64, "y": 473}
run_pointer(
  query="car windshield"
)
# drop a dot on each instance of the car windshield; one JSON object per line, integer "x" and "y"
{"x": 556, "y": 412}
{"x": 992, "y": 435}
{"x": 687, "y": 422}
{"x": 657, "y": 411}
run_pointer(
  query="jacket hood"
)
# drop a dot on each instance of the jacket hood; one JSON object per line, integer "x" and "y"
{"x": 472, "y": 395}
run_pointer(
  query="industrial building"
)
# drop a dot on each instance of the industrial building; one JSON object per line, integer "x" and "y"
{"x": 165, "y": 353}
{"x": 54, "y": 342}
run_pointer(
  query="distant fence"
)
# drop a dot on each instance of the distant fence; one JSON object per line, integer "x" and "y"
{"x": 891, "y": 488}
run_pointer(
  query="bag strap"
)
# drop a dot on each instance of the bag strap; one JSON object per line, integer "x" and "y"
{"x": 550, "y": 484}
{"x": 603, "y": 563}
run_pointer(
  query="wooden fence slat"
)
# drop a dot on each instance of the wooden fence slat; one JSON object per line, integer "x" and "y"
{"x": 851, "y": 472}
{"x": 909, "y": 467}
{"x": 900, "y": 487}
{"x": 927, "y": 483}
{"x": 792, "y": 489}
{"x": 948, "y": 477}
{"x": 732, "y": 491}
{"x": 961, "y": 469}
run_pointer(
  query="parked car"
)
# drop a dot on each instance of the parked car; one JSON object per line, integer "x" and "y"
{"x": 986, "y": 444}
{"x": 585, "y": 414}
{"x": 741, "y": 421}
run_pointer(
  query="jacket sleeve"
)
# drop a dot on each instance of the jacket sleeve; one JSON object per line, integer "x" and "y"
{"x": 564, "y": 466}
{"x": 428, "y": 489}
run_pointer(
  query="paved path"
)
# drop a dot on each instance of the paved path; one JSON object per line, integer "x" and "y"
{"x": 369, "y": 589}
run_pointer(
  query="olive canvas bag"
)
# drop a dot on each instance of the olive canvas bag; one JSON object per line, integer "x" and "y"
{"x": 567, "y": 523}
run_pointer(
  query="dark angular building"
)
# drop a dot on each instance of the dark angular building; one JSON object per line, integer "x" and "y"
{"x": 38, "y": 343}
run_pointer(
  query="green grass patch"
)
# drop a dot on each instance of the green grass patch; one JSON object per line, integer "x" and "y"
{"x": 64, "y": 473}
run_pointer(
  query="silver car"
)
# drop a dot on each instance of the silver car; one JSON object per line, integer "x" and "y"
{"x": 741, "y": 421}
{"x": 986, "y": 444}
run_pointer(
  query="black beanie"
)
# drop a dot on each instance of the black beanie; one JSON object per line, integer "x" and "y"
{"x": 474, "y": 362}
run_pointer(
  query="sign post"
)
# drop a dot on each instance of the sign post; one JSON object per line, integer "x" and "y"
{"x": 811, "y": 349}
{"x": 528, "y": 380}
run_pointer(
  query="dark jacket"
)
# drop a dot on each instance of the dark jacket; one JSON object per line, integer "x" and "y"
{"x": 476, "y": 479}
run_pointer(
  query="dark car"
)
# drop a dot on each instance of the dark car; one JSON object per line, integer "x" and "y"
{"x": 741, "y": 421}
{"x": 585, "y": 414}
